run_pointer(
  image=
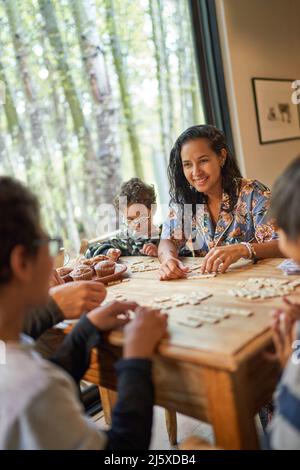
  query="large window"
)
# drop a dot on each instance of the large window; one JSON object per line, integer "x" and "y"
{"x": 96, "y": 92}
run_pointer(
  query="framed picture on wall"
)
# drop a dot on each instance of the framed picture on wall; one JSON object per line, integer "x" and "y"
{"x": 277, "y": 116}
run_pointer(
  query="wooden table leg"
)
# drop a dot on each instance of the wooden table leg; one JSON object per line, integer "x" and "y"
{"x": 108, "y": 400}
{"x": 171, "y": 423}
{"x": 230, "y": 410}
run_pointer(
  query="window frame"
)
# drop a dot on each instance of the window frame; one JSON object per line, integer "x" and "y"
{"x": 209, "y": 65}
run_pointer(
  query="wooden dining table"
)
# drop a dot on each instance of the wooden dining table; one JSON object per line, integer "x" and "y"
{"x": 218, "y": 373}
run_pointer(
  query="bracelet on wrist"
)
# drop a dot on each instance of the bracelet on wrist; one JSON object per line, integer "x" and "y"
{"x": 251, "y": 251}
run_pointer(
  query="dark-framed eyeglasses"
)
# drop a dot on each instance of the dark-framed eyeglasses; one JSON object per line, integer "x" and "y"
{"x": 138, "y": 220}
{"x": 54, "y": 244}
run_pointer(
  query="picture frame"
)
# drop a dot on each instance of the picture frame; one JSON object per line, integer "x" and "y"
{"x": 278, "y": 119}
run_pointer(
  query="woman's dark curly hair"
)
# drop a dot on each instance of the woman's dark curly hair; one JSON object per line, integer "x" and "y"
{"x": 137, "y": 192}
{"x": 180, "y": 190}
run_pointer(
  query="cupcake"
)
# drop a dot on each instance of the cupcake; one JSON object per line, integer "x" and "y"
{"x": 113, "y": 254}
{"x": 82, "y": 273}
{"x": 64, "y": 273}
{"x": 91, "y": 262}
{"x": 105, "y": 268}
{"x": 87, "y": 262}
{"x": 98, "y": 258}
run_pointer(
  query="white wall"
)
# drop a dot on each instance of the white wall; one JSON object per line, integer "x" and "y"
{"x": 259, "y": 38}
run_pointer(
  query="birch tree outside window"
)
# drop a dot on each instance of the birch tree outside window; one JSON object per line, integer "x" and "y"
{"x": 96, "y": 92}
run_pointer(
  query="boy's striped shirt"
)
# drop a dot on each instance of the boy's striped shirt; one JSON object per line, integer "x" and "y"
{"x": 284, "y": 430}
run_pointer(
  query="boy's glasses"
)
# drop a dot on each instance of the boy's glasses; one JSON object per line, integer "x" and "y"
{"x": 137, "y": 220}
{"x": 54, "y": 244}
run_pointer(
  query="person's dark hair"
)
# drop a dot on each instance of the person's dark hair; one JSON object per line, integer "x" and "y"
{"x": 285, "y": 201}
{"x": 19, "y": 222}
{"x": 137, "y": 192}
{"x": 180, "y": 190}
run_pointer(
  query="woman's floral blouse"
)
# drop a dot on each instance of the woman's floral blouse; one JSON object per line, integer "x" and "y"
{"x": 248, "y": 222}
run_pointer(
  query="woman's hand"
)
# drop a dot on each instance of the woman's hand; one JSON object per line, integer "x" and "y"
{"x": 219, "y": 259}
{"x": 149, "y": 249}
{"x": 172, "y": 268}
{"x": 111, "y": 316}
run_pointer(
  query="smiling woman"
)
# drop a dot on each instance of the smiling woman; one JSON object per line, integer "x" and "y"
{"x": 229, "y": 213}
{"x": 200, "y": 152}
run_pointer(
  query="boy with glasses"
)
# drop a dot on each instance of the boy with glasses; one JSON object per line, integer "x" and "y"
{"x": 39, "y": 407}
{"x": 138, "y": 234}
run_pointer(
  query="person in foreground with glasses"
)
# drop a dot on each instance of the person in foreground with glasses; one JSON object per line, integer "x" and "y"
{"x": 39, "y": 407}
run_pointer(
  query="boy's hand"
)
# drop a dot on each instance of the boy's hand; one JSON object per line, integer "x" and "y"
{"x": 150, "y": 249}
{"x": 283, "y": 335}
{"x": 74, "y": 298}
{"x": 111, "y": 316}
{"x": 293, "y": 309}
{"x": 144, "y": 333}
{"x": 172, "y": 268}
{"x": 114, "y": 254}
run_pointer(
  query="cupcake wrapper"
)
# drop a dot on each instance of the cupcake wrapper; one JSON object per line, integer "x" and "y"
{"x": 104, "y": 273}
{"x": 83, "y": 277}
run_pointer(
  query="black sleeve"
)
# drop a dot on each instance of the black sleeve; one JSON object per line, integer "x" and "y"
{"x": 104, "y": 248}
{"x": 99, "y": 249}
{"x": 39, "y": 320}
{"x": 132, "y": 415}
{"x": 74, "y": 353}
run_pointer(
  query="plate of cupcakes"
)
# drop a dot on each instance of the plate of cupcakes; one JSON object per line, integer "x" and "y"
{"x": 101, "y": 268}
